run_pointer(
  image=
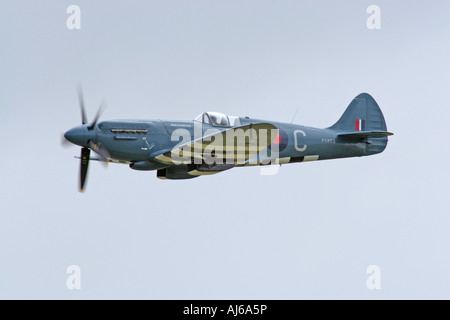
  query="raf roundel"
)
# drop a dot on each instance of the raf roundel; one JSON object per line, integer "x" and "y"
{"x": 281, "y": 140}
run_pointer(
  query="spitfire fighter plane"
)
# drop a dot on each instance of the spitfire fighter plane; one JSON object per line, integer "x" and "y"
{"x": 214, "y": 142}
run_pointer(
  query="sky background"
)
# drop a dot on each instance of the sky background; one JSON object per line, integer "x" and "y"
{"x": 308, "y": 232}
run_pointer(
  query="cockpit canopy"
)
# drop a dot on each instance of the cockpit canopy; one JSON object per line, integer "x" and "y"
{"x": 218, "y": 119}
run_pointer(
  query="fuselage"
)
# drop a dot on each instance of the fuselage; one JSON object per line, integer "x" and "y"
{"x": 140, "y": 140}
{"x": 214, "y": 142}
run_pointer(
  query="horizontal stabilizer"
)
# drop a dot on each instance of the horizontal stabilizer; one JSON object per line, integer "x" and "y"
{"x": 365, "y": 134}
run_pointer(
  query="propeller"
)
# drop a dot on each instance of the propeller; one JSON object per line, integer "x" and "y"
{"x": 97, "y": 116}
{"x": 83, "y": 112}
{"x": 81, "y": 101}
{"x": 84, "y": 164}
{"x": 93, "y": 144}
{"x": 99, "y": 149}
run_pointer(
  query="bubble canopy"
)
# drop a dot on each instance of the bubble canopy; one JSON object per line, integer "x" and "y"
{"x": 218, "y": 119}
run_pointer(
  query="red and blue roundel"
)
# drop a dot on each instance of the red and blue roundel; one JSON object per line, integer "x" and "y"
{"x": 281, "y": 140}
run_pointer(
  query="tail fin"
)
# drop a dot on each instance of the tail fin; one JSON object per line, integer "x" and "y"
{"x": 363, "y": 120}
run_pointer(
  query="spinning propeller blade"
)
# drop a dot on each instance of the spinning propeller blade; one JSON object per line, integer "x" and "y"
{"x": 99, "y": 149}
{"x": 85, "y": 153}
{"x": 81, "y": 101}
{"x": 99, "y": 112}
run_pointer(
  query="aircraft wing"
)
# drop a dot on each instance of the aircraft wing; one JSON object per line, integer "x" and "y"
{"x": 231, "y": 146}
{"x": 112, "y": 160}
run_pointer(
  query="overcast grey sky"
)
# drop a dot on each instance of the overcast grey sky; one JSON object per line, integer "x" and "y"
{"x": 309, "y": 231}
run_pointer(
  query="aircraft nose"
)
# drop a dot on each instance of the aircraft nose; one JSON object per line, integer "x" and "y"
{"x": 78, "y": 135}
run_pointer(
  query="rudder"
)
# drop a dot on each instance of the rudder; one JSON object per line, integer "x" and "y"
{"x": 365, "y": 109}
{"x": 364, "y": 115}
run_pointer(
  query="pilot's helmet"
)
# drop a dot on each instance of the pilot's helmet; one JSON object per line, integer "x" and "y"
{"x": 213, "y": 119}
